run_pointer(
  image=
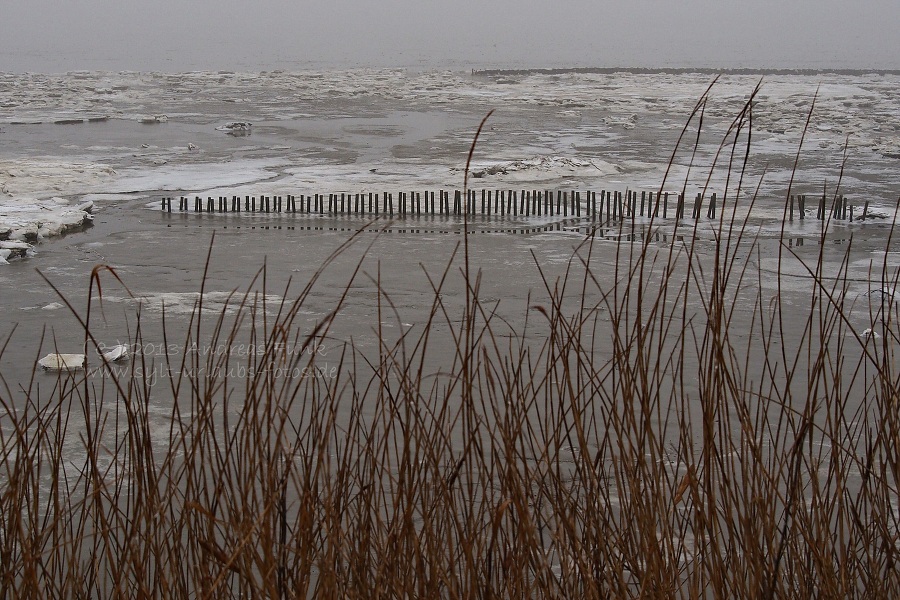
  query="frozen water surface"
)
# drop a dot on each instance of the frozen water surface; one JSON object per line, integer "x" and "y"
{"x": 95, "y": 151}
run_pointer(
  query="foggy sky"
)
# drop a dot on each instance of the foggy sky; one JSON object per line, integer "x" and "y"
{"x": 180, "y": 35}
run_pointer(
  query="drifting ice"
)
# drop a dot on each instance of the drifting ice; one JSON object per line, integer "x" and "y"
{"x": 62, "y": 362}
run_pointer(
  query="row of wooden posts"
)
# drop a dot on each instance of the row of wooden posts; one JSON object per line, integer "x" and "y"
{"x": 611, "y": 205}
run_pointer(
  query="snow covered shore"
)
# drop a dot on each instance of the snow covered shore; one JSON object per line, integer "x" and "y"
{"x": 32, "y": 206}
{"x": 29, "y": 219}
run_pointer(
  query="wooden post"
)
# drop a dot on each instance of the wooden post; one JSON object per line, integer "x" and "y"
{"x": 865, "y": 211}
{"x": 712, "y": 207}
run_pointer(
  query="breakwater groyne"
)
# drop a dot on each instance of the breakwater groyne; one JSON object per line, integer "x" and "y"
{"x": 603, "y": 205}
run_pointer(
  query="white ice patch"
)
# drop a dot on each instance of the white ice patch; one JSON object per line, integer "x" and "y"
{"x": 13, "y": 249}
{"x": 99, "y": 198}
{"x": 188, "y": 302}
{"x": 115, "y": 353}
{"x": 869, "y": 332}
{"x": 43, "y": 178}
{"x": 541, "y": 168}
{"x": 32, "y": 219}
{"x": 30, "y": 208}
{"x": 62, "y": 362}
{"x": 197, "y": 176}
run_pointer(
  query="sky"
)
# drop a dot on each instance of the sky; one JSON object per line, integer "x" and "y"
{"x": 184, "y": 35}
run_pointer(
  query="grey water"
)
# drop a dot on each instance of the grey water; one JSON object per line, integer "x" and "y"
{"x": 398, "y": 130}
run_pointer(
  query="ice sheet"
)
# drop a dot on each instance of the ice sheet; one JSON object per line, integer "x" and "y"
{"x": 390, "y": 130}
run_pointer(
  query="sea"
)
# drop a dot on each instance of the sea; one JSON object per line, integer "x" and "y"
{"x": 87, "y": 159}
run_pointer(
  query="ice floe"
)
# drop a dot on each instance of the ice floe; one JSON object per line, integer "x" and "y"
{"x": 44, "y": 178}
{"x": 62, "y": 362}
{"x": 188, "y": 302}
{"x": 237, "y": 128}
{"x": 118, "y": 352}
{"x": 30, "y": 219}
{"x": 13, "y": 249}
{"x": 154, "y": 119}
{"x": 543, "y": 166}
{"x": 197, "y": 176}
{"x": 870, "y": 333}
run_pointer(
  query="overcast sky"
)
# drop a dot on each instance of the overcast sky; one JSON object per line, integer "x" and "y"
{"x": 178, "y": 35}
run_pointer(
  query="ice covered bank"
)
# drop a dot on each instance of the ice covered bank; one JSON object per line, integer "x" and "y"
{"x": 41, "y": 198}
{"x": 31, "y": 207}
{"x": 29, "y": 219}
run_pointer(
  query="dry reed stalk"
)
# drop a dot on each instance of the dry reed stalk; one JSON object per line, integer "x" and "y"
{"x": 663, "y": 431}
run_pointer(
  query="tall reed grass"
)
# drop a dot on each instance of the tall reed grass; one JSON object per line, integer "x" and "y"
{"x": 670, "y": 424}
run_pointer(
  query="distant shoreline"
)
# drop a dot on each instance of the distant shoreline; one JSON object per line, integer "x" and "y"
{"x": 678, "y": 71}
